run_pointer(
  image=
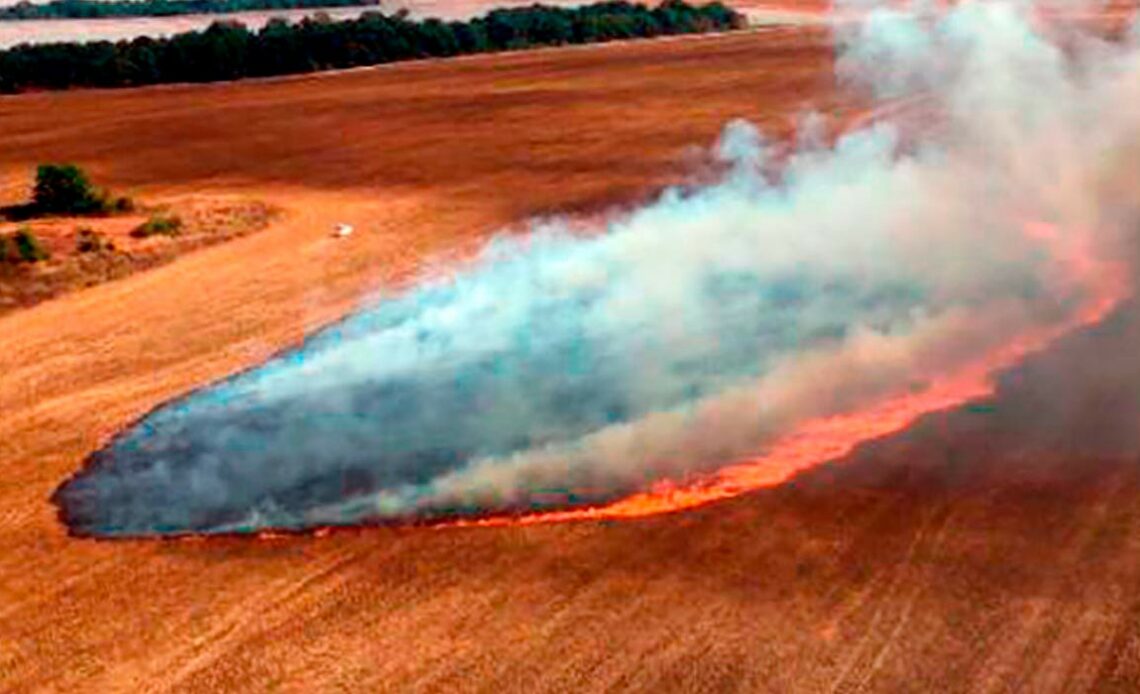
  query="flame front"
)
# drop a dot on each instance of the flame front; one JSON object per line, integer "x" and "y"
{"x": 831, "y": 438}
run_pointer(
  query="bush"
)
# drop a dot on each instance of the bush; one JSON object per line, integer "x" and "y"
{"x": 90, "y": 241}
{"x": 123, "y": 205}
{"x": 28, "y": 247}
{"x": 158, "y": 225}
{"x": 64, "y": 189}
{"x": 6, "y": 251}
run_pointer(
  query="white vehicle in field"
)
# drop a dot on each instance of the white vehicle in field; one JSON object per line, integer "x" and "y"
{"x": 342, "y": 230}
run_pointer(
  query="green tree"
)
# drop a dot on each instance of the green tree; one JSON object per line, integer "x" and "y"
{"x": 64, "y": 189}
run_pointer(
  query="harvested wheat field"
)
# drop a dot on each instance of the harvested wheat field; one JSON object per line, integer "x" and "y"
{"x": 992, "y": 545}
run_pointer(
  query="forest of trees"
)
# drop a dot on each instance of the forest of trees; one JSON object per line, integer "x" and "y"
{"x": 228, "y": 50}
{"x": 100, "y": 9}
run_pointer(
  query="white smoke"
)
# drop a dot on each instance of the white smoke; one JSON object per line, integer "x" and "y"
{"x": 697, "y": 329}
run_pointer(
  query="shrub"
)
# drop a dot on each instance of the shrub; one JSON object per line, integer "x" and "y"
{"x": 123, "y": 205}
{"x": 90, "y": 241}
{"x": 64, "y": 189}
{"x": 158, "y": 225}
{"x": 6, "y": 251}
{"x": 28, "y": 247}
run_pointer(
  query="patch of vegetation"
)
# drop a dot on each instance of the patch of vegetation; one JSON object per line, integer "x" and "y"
{"x": 65, "y": 189}
{"x": 22, "y": 246}
{"x": 95, "y": 258}
{"x": 98, "y": 9}
{"x": 122, "y": 205}
{"x": 228, "y": 50}
{"x": 90, "y": 241}
{"x": 158, "y": 225}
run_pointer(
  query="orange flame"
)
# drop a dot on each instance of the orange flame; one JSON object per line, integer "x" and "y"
{"x": 827, "y": 439}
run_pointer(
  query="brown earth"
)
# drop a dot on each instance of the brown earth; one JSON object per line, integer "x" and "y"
{"x": 945, "y": 559}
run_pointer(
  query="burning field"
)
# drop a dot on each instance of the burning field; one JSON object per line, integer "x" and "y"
{"x": 870, "y": 290}
{"x": 800, "y": 303}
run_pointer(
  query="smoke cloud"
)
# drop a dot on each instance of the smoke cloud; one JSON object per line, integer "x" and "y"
{"x": 563, "y": 369}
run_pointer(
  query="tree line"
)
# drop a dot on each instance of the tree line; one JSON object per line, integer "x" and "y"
{"x": 101, "y": 9}
{"x": 228, "y": 50}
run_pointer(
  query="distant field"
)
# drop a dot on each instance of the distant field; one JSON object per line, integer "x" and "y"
{"x": 48, "y": 31}
{"x": 61, "y": 30}
{"x": 759, "y": 12}
{"x": 53, "y": 30}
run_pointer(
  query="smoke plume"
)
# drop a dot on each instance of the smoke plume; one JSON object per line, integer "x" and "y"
{"x": 562, "y": 369}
